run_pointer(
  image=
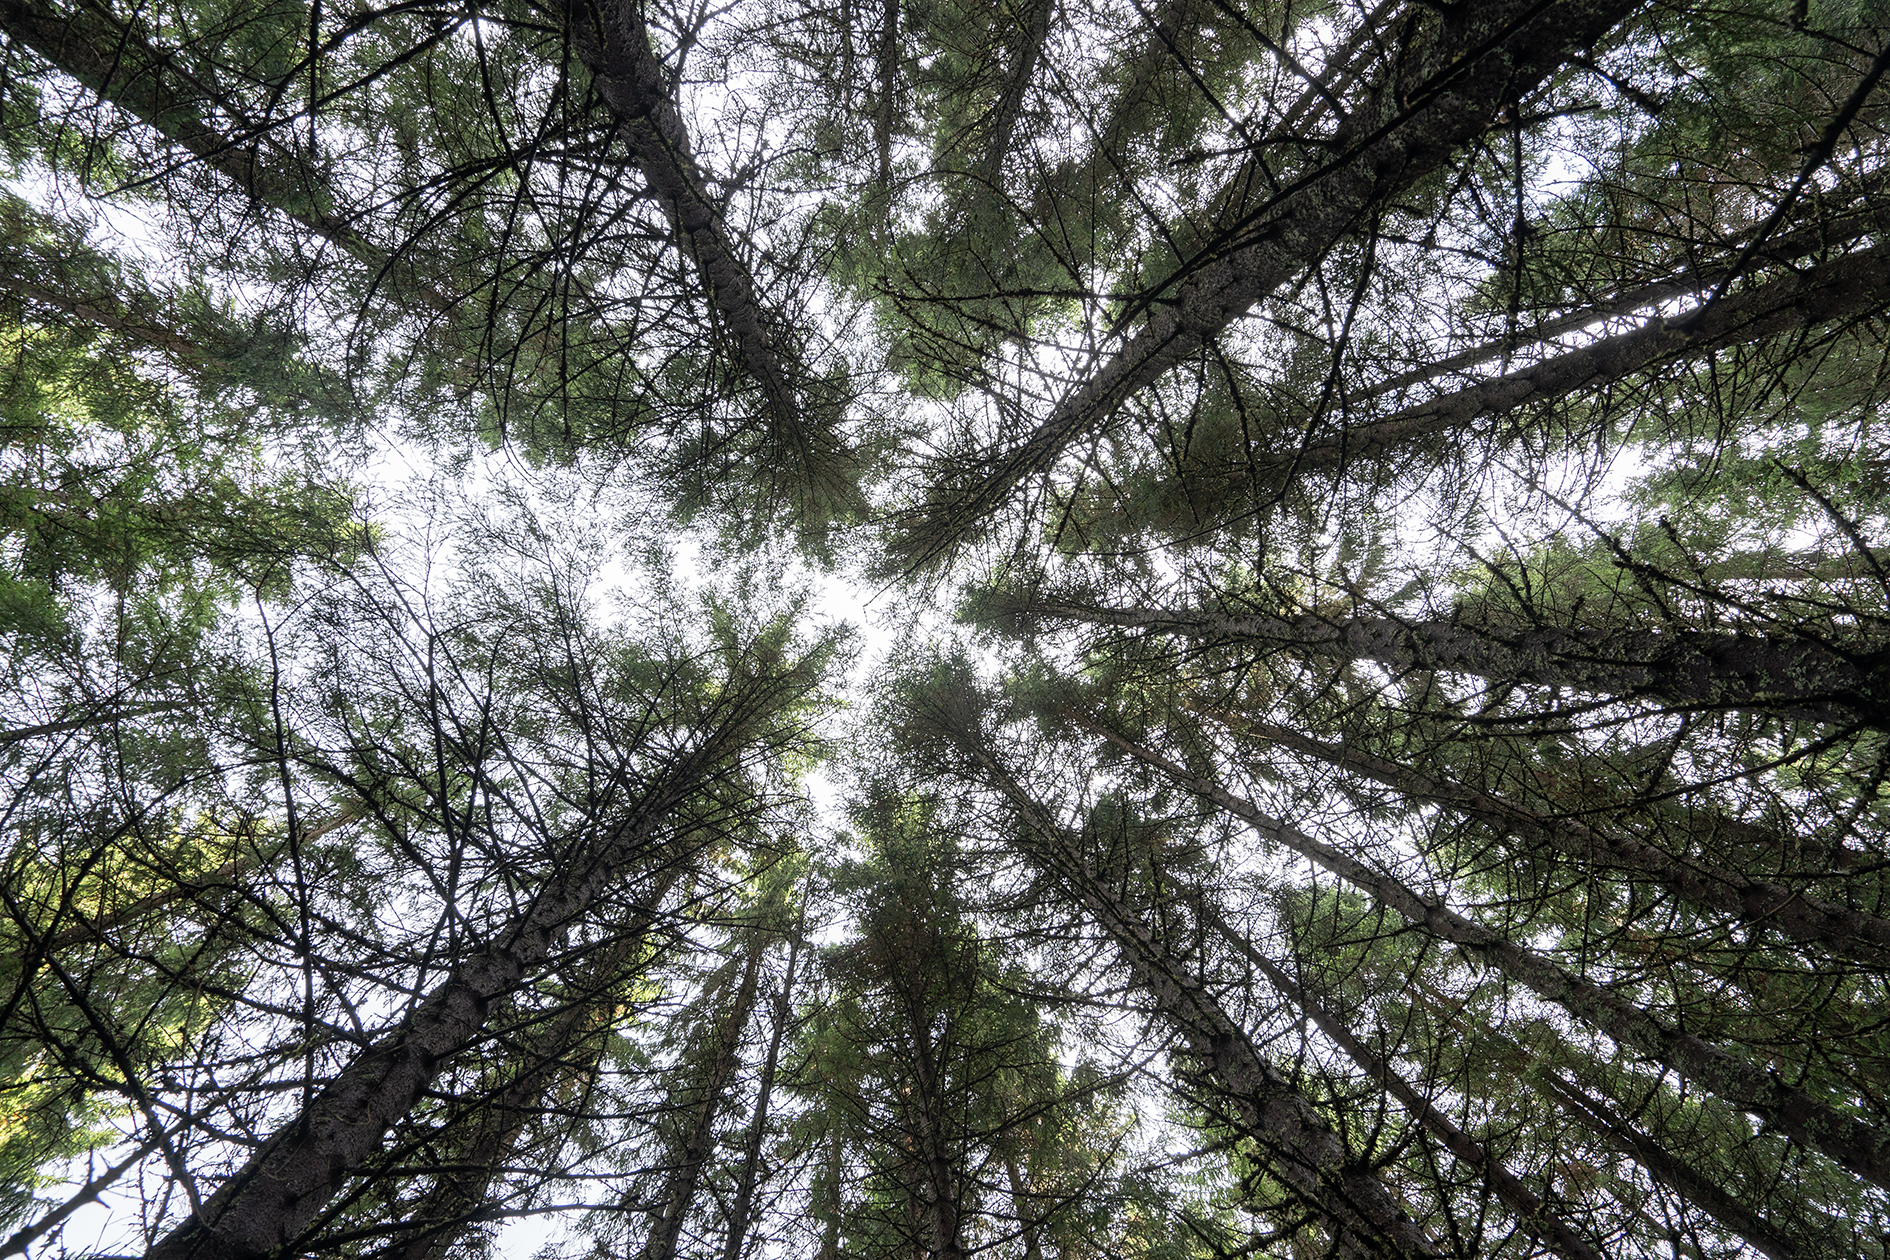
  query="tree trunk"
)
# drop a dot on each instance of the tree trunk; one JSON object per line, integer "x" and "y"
{"x": 1796, "y": 678}
{"x": 115, "y": 62}
{"x": 1033, "y": 30}
{"x": 614, "y": 44}
{"x": 1860, "y": 1147}
{"x": 569, "y": 1046}
{"x": 943, "y": 1213}
{"x": 1530, "y": 1211}
{"x": 267, "y": 1205}
{"x": 1691, "y": 279}
{"x": 1795, "y": 913}
{"x": 1596, "y": 1117}
{"x": 1302, "y": 1150}
{"x": 1020, "y": 1204}
{"x": 1430, "y": 102}
{"x": 743, "y": 1207}
{"x": 686, "y": 1174}
{"x": 888, "y": 61}
{"x": 1843, "y": 288}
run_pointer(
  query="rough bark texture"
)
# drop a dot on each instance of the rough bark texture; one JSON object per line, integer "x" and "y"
{"x": 1799, "y": 915}
{"x": 1860, "y": 1147}
{"x": 569, "y": 1045}
{"x": 1356, "y": 1208}
{"x": 1690, "y": 279}
{"x": 1442, "y": 92}
{"x": 1033, "y": 29}
{"x": 1798, "y": 678}
{"x": 1531, "y": 1212}
{"x": 116, "y": 63}
{"x": 614, "y": 44}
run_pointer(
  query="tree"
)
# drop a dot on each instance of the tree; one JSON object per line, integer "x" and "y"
{"x": 1409, "y": 777}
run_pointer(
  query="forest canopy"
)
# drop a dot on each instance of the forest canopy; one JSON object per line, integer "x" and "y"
{"x": 1142, "y": 630}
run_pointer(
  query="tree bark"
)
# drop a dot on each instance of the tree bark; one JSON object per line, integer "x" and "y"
{"x": 1434, "y": 99}
{"x": 1860, "y": 1147}
{"x": 115, "y": 62}
{"x": 686, "y": 1174}
{"x": 570, "y": 1045}
{"x": 1793, "y": 912}
{"x": 1844, "y": 288}
{"x": 1688, "y": 669}
{"x": 1843, "y": 229}
{"x": 267, "y": 1206}
{"x": 943, "y": 1213}
{"x": 1020, "y": 1204}
{"x": 888, "y": 73}
{"x": 1033, "y": 30}
{"x": 614, "y": 45}
{"x": 1598, "y": 1118}
{"x": 1530, "y": 1211}
{"x": 1302, "y": 1150}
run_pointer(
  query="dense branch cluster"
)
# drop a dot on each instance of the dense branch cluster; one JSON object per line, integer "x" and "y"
{"x": 1373, "y": 738}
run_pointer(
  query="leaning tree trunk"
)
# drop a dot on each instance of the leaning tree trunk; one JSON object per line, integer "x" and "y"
{"x": 1759, "y": 902}
{"x": 115, "y": 62}
{"x": 1685, "y": 669}
{"x": 1033, "y": 31}
{"x": 1301, "y": 1149}
{"x": 614, "y": 44}
{"x": 1859, "y": 1147}
{"x": 1598, "y": 1119}
{"x": 1531, "y": 1213}
{"x": 1844, "y": 288}
{"x": 1020, "y": 1207}
{"x": 266, "y": 1207}
{"x": 568, "y": 1047}
{"x": 1438, "y": 94}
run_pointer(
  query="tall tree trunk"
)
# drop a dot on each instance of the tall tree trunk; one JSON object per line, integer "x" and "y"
{"x": 743, "y": 1207}
{"x": 1856, "y": 284}
{"x": 943, "y": 1213}
{"x": 1700, "y": 669}
{"x": 1860, "y": 1147}
{"x": 116, "y": 62}
{"x": 699, "y": 1142}
{"x": 1301, "y": 1149}
{"x": 1021, "y": 1208}
{"x": 1691, "y": 278}
{"x": 1798, "y": 914}
{"x": 883, "y": 103}
{"x": 1596, "y": 1117}
{"x": 613, "y": 42}
{"x": 1434, "y": 98}
{"x": 568, "y": 1047}
{"x": 267, "y": 1205}
{"x": 830, "y": 1235}
{"x": 1531, "y": 1212}
{"x": 1033, "y": 29}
